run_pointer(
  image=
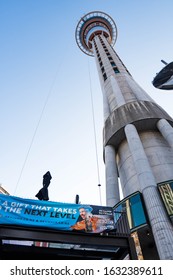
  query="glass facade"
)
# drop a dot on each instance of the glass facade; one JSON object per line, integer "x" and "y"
{"x": 134, "y": 208}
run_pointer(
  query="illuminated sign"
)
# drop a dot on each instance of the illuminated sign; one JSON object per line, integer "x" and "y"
{"x": 166, "y": 191}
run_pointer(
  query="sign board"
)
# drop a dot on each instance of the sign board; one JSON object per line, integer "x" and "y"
{"x": 55, "y": 215}
{"x": 166, "y": 191}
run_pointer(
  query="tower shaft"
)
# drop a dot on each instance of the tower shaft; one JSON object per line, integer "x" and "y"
{"x": 137, "y": 134}
{"x": 124, "y": 102}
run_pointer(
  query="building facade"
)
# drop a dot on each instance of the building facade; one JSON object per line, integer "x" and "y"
{"x": 138, "y": 133}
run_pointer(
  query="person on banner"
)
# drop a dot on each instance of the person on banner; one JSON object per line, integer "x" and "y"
{"x": 43, "y": 193}
{"x": 86, "y": 221}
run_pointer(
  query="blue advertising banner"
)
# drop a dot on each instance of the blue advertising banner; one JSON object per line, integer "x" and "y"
{"x": 55, "y": 215}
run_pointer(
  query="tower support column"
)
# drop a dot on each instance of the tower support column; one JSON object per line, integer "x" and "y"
{"x": 166, "y": 130}
{"x": 112, "y": 186}
{"x": 159, "y": 221}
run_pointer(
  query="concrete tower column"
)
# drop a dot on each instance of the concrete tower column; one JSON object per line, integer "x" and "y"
{"x": 159, "y": 221}
{"x": 117, "y": 92}
{"x": 166, "y": 130}
{"x": 111, "y": 173}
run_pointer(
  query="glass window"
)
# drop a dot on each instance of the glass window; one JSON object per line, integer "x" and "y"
{"x": 110, "y": 57}
{"x": 134, "y": 209}
{"x": 103, "y": 70}
{"x": 137, "y": 213}
{"x": 116, "y": 70}
{"x": 113, "y": 63}
{"x": 104, "y": 76}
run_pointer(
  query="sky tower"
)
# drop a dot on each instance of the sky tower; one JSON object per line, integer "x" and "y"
{"x": 137, "y": 133}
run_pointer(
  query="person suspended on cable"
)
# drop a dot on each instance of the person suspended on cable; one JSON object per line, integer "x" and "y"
{"x": 43, "y": 193}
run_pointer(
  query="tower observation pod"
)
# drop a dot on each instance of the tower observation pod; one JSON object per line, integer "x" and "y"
{"x": 137, "y": 133}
